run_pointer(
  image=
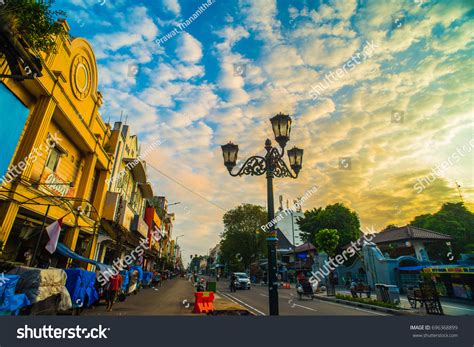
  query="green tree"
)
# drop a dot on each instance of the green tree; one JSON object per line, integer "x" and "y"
{"x": 34, "y": 21}
{"x": 242, "y": 241}
{"x": 336, "y": 216}
{"x": 453, "y": 219}
{"x": 327, "y": 240}
{"x": 390, "y": 227}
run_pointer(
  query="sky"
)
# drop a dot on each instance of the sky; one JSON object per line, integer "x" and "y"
{"x": 393, "y": 101}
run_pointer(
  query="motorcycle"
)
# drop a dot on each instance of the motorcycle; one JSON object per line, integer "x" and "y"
{"x": 201, "y": 286}
{"x": 233, "y": 286}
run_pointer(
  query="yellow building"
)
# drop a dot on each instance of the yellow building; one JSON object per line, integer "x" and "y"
{"x": 129, "y": 192}
{"x": 59, "y": 166}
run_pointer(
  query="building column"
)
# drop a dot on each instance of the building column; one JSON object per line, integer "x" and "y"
{"x": 87, "y": 176}
{"x": 8, "y": 212}
{"x": 72, "y": 235}
{"x": 91, "y": 254}
{"x": 420, "y": 251}
{"x": 99, "y": 198}
{"x": 70, "y": 238}
{"x": 36, "y": 131}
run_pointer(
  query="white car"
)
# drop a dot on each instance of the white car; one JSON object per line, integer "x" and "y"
{"x": 243, "y": 280}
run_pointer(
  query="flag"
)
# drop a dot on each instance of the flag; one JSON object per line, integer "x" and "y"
{"x": 53, "y": 231}
{"x": 156, "y": 234}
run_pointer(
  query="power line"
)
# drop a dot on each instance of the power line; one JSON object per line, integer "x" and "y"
{"x": 188, "y": 189}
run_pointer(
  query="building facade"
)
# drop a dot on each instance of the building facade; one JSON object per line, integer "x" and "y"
{"x": 128, "y": 197}
{"x": 54, "y": 161}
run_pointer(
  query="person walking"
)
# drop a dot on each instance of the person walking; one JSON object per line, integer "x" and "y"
{"x": 115, "y": 282}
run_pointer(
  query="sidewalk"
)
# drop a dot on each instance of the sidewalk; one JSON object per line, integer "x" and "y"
{"x": 450, "y": 308}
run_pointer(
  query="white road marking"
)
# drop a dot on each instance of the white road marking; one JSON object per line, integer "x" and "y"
{"x": 308, "y": 308}
{"x": 352, "y": 307}
{"x": 241, "y": 302}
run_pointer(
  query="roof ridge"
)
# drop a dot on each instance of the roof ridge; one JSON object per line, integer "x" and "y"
{"x": 429, "y": 230}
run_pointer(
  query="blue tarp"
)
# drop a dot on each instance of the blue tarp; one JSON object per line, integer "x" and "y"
{"x": 11, "y": 303}
{"x": 125, "y": 280}
{"x": 67, "y": 252}
{"x": 80, "y": 285}
{"x": 147, "y": 277}
{"x": 140, "y": 272}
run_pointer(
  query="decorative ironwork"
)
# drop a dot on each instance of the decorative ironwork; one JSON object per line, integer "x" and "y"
{"x": 281, "y": 170}
{"x": 253, "y": 166}
{"x": 257, "y": 166}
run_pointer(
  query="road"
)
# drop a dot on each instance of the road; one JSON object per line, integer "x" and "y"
{"x": 256, "y": 301}
{"x": 165, "y": 300}
{"x": 168, "y": 300}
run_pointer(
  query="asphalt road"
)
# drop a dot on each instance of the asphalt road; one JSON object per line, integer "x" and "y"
{"x": 165, "y": 300}
{"x": 256, "y": 301}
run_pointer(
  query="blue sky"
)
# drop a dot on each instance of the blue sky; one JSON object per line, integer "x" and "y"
{"x": 240, "y": 62}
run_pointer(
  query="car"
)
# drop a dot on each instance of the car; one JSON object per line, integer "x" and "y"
{"x": 243, "y": 280}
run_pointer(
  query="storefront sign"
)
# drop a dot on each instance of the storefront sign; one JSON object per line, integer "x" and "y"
{"x": 54, "y": 183}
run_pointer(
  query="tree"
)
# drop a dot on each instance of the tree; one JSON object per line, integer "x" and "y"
{"x": 453, "y": 219}
{"x": 336, "y": 216}
{"x": 390, "y": 227}
{"x": 242, "y": 241}
{"x": 34, "y": 21}
{"x": 327, "y": 240}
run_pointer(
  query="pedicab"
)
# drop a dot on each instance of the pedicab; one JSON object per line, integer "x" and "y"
{"x": 304, "y": 288}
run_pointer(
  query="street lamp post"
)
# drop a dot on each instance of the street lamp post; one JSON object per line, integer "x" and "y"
{"x": 272, "y": 165}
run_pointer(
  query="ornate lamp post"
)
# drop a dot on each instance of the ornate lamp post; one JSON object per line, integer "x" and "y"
{"x": 273, "y": 165}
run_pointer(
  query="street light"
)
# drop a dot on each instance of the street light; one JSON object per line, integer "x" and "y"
{"x": 273, "y": 165}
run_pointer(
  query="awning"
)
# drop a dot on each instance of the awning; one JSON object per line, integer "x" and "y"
{"x": 67, "y": 252}
{"x": 138, "y": 169}
{"x": 147, "y": 190}
{"x": 412, "y": 268}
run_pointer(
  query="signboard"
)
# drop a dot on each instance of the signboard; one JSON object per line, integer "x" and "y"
{"x": 140, "y": 226}
{"x": 54, "y": 183}
{"x": 13, "y": 113}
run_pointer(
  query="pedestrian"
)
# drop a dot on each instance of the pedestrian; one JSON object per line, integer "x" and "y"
{"x": 115, "y": 282}
{"x": 28, "y": 256}
{"x": 300, "y": 278}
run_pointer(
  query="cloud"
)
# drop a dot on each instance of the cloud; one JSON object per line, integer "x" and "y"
{"x": 189, "y": 49}
{"x": 227, "y": 76}
{"x": 172, "y": 6}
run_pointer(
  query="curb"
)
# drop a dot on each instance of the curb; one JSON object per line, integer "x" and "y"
{"x": 401, "y": 312}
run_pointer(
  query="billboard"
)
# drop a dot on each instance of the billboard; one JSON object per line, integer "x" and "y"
{"x": 13, "y": 115}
